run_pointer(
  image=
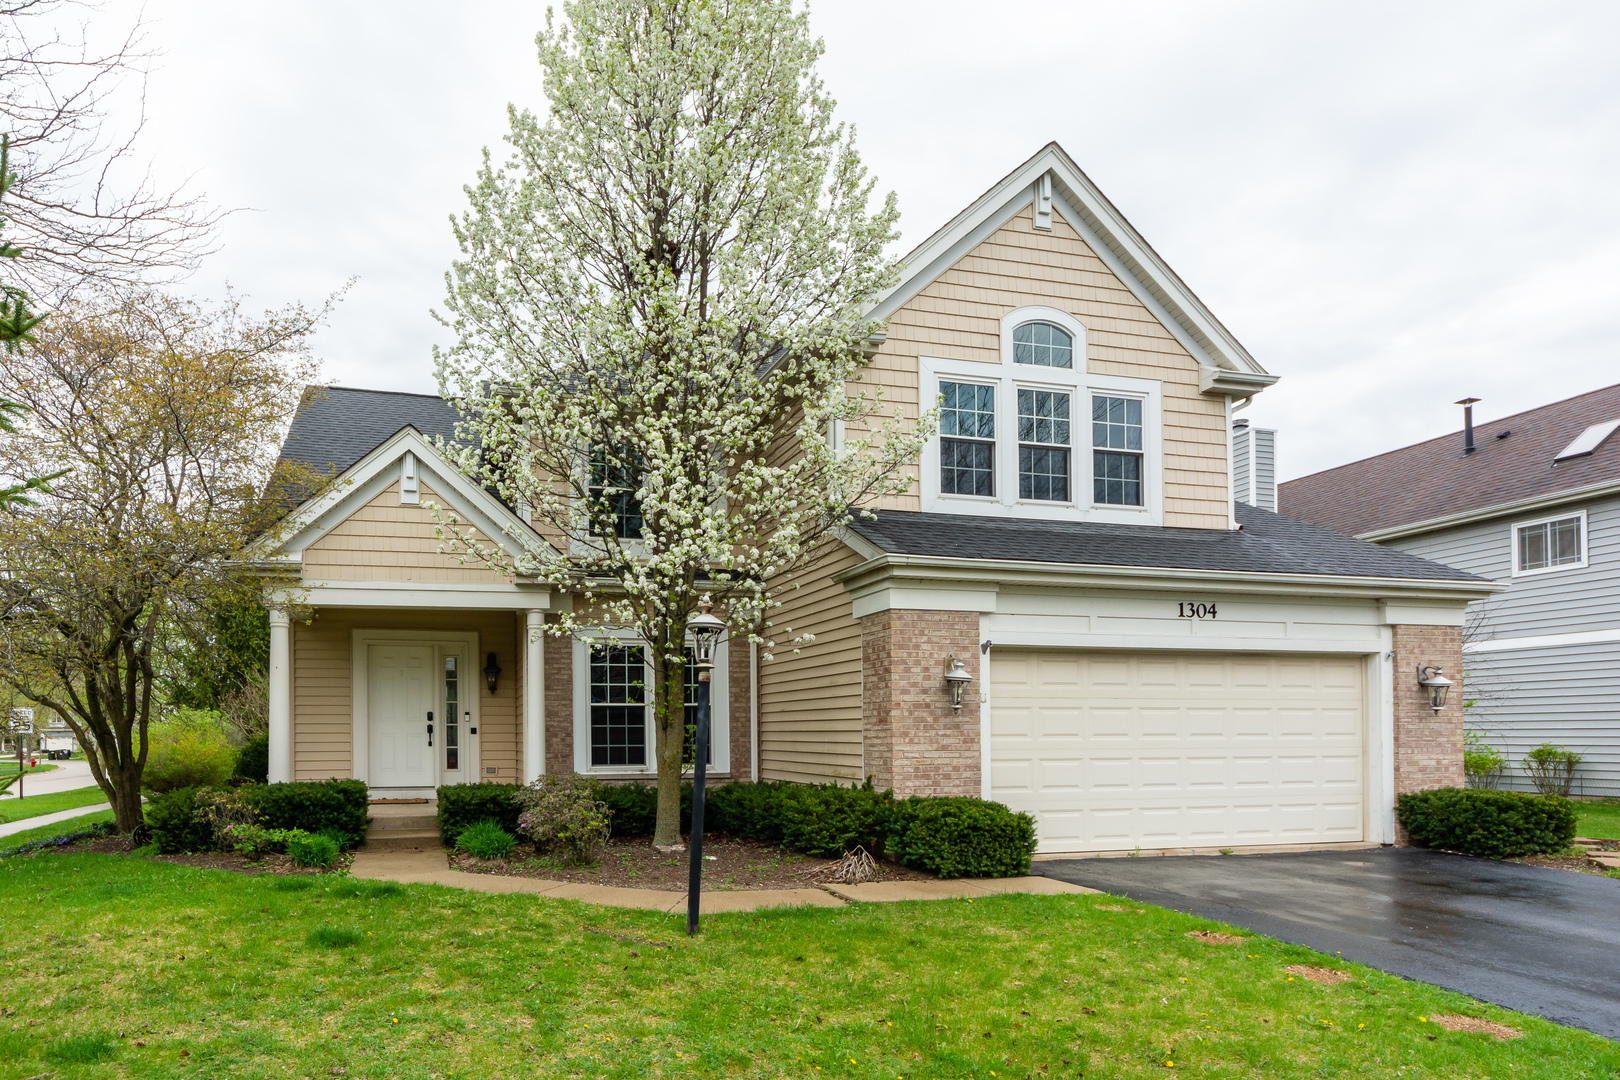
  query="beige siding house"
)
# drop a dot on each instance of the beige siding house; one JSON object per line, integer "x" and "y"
{"x": 1152, "y": 663}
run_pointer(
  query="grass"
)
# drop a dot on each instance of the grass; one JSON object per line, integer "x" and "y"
{"x": 13, "y": 809}
{"x": 1599, "y": 821}
{"x": 9, "y": 765}
{"x": 60, "y": 828}
{"x": 199, "y": 972}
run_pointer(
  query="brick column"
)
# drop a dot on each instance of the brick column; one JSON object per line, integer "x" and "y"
{"x": 913, "y": 740}
{"x": 1428, "y": 744}
{"x": 558, "y": 663}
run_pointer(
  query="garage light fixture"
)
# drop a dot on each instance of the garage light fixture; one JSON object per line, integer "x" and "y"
{"x": 956, "y": 677}
{"x": 1432, "y": 680}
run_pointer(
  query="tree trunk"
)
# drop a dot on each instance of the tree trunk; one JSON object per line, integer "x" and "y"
{"x": 125, "y": 796}
{"x": 669, "y": 724}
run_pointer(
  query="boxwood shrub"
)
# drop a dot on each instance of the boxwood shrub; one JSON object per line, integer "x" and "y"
{"x": 1495, "y": 824}
{"x": 338, "y": 806}
{"x": 174, "y": 823}
{"x": 961, "y": 837}
{"x": 634, "y": 808}
{"x": 817, "y": 819}
{"x": 464, "y": 805}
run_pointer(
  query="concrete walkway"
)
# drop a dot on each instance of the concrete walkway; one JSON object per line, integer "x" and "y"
{"x": 50, "y": 819}
{"x": 431, "y": 868}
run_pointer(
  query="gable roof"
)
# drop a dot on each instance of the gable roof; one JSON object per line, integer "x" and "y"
{"x": 1267, "y": 544}
{"x": 336, "y": 426}
{"x": 1434, "y": 484}
{"x": 1115, "y": 241}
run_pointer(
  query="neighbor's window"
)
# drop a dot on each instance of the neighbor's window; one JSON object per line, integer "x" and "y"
{"x": 688, "y": 748}
{"x": 618, "y": 706}
{"x": 615, "y": 510}
{"x": 1116, "y": 439}
{"x": 967, "y": 445}
{"x": 1044, "y": 345}
{"x": 1549, "y": 544}
{"x": 1043, "y": 445}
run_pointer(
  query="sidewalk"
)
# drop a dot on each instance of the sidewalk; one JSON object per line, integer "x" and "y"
{"x": 430, "y": 868}
{"x": 68, "y": 775}
{"x": 50, "y": 819}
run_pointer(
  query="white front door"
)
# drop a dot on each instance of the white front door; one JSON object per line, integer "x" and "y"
{"x": 402, "y": 687}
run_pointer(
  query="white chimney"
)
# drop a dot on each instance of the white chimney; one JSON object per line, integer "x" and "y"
{"x": 1254, "y": 465}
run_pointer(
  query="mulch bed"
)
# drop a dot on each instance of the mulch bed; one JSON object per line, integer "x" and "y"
{"x": 729, "y": 866}
{"x": 207, "y": 860}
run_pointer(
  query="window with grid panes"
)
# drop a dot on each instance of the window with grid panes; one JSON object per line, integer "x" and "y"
{"x": 1116, "y": 439}
{"x": 967, "y": 445}
{"x": 687, "y": 754}
{"x": 615, "y": 511}
{"x": 1043, "y": 345}
{"x": 1043, "y": 445}
{"x": 618, "y": 706}
{"x": 1549, "y": 544}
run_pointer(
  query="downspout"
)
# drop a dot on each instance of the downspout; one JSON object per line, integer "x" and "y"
{"x": 753, "y": 712}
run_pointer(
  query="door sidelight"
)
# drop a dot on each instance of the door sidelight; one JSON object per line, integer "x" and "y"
{"x": 430, "y": 727}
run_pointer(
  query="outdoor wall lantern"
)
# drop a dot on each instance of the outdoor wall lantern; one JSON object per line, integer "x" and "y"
{"x": 492, "y": 672}
{"x": 957, "y": 677}
{"x": 1432, "y": 680}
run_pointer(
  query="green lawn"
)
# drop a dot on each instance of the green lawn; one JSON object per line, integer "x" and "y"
{"x": 12, "y": 809}
{"x": 61, "y": 828}
{"x": 1598, "y": 820}
{"x": 9, "y": 765}
{"x": 148, "y": 969}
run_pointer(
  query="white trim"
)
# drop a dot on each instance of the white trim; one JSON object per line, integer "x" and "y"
{"x": 534, "y": 695}
{"x": 1381, "y": 715}
{"x": 719, "y": 708}
{"x": 464, "y": 645}
{"x": 415, "y": 594}
{"x": 279, "y": 687}
{"x": 410, "y": 485}
{"x": 1513, "y": 540}
{"x": 1008, "y": 378}
{"x": 1587, "y": 493}
{"x": 753, "y": 711}
{"x": 986, "y": 647}
{"x": 1061, "y": 319}
{"x": 1544, "y": 641}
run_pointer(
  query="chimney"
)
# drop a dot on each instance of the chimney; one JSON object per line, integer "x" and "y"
{"x": 1468, "y": 423}
{"x": 1254, "y": 465}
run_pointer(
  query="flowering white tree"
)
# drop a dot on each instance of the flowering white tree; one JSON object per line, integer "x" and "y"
{"x": 660, "y": 312}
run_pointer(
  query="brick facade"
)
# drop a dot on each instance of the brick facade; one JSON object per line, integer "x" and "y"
{"x": 559, "y": 693}
{"x": 1428, "y": 744}
{"x": 914, "y": 741}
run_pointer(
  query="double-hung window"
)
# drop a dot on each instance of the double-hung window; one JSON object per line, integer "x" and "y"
{"x": 614, "y": 509}
{"x": 619, "y": 704}
{"x": 967, "y": 444}
{"x": 1116, "y": 456}
{"x": 1043, "y": 445}
{"x": 1554, "y": 544}
{"x": 614, "y": 728}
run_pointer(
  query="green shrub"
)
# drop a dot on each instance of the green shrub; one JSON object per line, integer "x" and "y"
{"x": 253, "y": 763}
{"x": 224, "y": 810}
{"x": 337, "y": 836}
{"x": 313, "y": 850}
{"x": 188, "y": 750}
{"x": 314, "y": 806}
{"x": 255, "y": 841}
{"x": 486, "y": 840}
{"x": 1551, "y": 768}
{"x": 961, "y": 837}
{"x": 79, "y": 1050}
{"x": 563, "y": 812}
{"x": 461, "y": 805}
{"x": 175, "y": 824}
{"x": 825, "y": 819}
{"x": 1495, "y": 824}
{"x": 1482, "y": 762}
{"x": 333, "y": 937}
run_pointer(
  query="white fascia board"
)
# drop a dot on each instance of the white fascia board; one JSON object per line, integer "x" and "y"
{"x": 372, "y": 475}
{"x": 874, "y": 573}
{"x": 1096, "y": 219}
{"x": 1408, "y": 613}
{"x": 415, "y": 594}
{"x": 1543, "y": 641}
{"x": 1486, "y": 513}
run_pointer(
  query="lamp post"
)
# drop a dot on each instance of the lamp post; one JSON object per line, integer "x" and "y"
{"x": 706, "y": 630}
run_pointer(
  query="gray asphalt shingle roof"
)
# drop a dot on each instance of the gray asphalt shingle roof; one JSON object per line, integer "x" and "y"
{"x": 1267, "y": 543}
{"x": 336, "y": 426}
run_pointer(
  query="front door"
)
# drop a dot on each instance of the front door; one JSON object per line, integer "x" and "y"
{"x": 403, "y": 692}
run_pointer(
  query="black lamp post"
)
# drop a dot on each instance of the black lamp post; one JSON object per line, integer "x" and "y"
{"x": 706, "y": 630}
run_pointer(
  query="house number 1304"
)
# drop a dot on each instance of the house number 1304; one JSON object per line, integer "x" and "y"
{"x": 1197, "y": 611}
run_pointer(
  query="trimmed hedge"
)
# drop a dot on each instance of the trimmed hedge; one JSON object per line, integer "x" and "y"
{"x": 961, "y": 837}
{"x": 253, "y": 763}
{"x": 337, "y": 806}
{"x": 1495, "y": 824}
{"x": 817, "y": 819}
{"x": 634, "y": 808}
{"x": 464, "y": 805}
{"x": 174, "y": 823}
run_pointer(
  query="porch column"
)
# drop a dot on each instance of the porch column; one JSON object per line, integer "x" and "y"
{"x": 534, "y": 696}
{"x": 280, "y": 689}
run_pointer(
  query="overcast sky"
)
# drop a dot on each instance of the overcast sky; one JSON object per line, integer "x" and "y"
{"x": 1392, "y": 205}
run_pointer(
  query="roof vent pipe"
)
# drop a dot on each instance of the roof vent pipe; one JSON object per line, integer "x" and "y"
{"x": 1468, "y": 423}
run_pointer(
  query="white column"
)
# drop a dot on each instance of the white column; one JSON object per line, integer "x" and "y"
{"x": 534, "y": 695}
{"x": 280, "y": 697}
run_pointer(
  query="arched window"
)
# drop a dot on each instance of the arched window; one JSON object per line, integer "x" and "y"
{"x": 1043, "y": 345}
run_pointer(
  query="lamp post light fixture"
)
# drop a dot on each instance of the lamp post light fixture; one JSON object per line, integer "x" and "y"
{"x": 1434, "y": 681}
{"x": 492, "y": 672}
{"x": 957, "y": 677}
{"x": 706, "y": 630}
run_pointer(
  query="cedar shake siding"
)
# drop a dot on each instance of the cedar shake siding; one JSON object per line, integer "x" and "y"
{"x": 386, "y": 540}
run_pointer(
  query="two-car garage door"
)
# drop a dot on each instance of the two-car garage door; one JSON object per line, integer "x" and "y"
{"x": 1114, "y": 751}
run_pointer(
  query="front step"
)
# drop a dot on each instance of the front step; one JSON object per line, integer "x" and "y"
{"x": 404, "y": 840}
{"x": 403, "y": 827}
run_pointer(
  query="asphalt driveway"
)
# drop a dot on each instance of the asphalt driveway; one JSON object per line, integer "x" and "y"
{"x": 1538, "y": 940}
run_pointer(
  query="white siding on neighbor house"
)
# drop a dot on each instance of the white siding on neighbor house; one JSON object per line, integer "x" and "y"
{"x": 1567, "y": 694}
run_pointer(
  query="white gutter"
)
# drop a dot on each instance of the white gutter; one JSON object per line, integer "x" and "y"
{"x": 1518, "y": 506}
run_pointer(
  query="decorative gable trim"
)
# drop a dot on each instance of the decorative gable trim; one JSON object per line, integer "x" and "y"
{"x": 369, "y": 477}
{"x": 1114, "y": 240}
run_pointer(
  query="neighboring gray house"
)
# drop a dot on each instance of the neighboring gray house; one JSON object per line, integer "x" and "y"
{"x": 1532, "y": 500}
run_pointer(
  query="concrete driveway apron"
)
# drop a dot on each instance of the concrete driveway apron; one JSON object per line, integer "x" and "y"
{"x": 1534, "y": 939}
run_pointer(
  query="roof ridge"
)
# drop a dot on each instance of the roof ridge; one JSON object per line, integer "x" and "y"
{"x": 368, "y": 390}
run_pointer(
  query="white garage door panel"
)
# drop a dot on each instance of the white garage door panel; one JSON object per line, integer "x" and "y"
{"x": 1114, "y": 751}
